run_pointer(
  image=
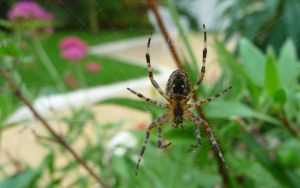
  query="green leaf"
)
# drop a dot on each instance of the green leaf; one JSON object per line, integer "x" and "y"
{"x": 255, "y": 93}
{"x": 280, "y": 96}
{"x": 288, "y": 66}
{"x": 253, "y": 61}
{"x": 50, "y": 161}
{"x": 289, "y": 153}
{"x": 227, "y": 109}
{"x": 191, "y": 71}
{"x": 279, "y": 172}
{"x": 272, "y": 83}
{"x": 6, "y": 24}
{"x": 183, "y": 34}
{"x": 233, "y": 71}
{"x": 25, "y": 179}
{"x": 8, "y": 48}
{"x": 131, "y": 103}
{"x": 54, "y": 183}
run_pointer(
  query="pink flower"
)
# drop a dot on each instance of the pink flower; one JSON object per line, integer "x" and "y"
{"x": 73, "y": 49}
{"x": 27, "y": 11}
{"x": 93, "y": 67}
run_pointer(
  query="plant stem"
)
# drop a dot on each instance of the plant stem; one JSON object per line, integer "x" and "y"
{"x": 17, "y": 78}
{"x": 15, "y": 74}
{"x": 48, "y": 64}
{"x": 93, "y": 17}
{"x": 80, "y": 74}
{"x": 182, "y": 33}
{"x": 153, "y": 7}
{"x": 288, "y": 126}
{"x": 55, "y": 135}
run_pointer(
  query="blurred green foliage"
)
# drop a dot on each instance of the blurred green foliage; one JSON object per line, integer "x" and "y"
{"x": 19, "y": 55}
{"x": 264, "y": 22}
{"x": 256, "y": 124}
{"x": 260, "y": 150}
{"x": 248, "y": 122}
{"x": 109, "y": 15}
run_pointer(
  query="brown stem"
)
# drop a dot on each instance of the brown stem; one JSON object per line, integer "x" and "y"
{"x": 59, "y": 139}
{"x": 288, "y": 126}
{"x": 153, "y": 7}
{"x": 40, "y": 137}
{"x": 16, "y": 163}
{"x": 93, "y": 17}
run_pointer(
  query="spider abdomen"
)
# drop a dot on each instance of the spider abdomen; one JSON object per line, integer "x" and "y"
{"x": 177, "y": 109}
{"x": 178, "y": 114}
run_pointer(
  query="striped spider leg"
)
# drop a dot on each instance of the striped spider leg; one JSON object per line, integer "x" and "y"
{"x": 156, "y": 103}
{"x": 204, "y": 101}
{"x": 150, "y": 72}
{"x": 199, "y": 121}
{"x": 201, "y": 75}
{"x": 158, "y": 121}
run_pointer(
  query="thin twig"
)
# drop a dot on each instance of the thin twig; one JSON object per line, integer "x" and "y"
{"x": 40, "y": 137}
{"x": 285, "y": 122}
{"x": 59, "y": 139}
{"x": 15, "y": 162}
{"x": 153, "y": 7}
{"x": 288, "y": 126}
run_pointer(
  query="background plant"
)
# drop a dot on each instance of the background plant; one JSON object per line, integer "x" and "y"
{"x": 264, "y": 22}
{"x": 257, "y": 124}
{"x": 257, "y": 114}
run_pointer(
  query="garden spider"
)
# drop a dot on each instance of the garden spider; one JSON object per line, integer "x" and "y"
{"x": 179, "y": 94}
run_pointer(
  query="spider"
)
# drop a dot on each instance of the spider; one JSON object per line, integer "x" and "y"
{"x": 179, "y": 92}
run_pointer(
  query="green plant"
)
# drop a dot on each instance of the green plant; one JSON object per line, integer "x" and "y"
{"x": 261, "y": 109}
{"x": 256, "y": 124}
{"x": 264, "y": 22}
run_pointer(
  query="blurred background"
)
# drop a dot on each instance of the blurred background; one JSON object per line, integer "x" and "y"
{"x": 73, "y": 61}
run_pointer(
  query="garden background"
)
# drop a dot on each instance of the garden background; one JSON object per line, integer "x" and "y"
{"x": 67, "y": 119}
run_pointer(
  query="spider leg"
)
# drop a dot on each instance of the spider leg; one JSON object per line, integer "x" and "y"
{"x": 201, "y": 75}
{"x": 150, "y": 73}
{"x": 211, "y": 137}
{"x": 197, "y": 123}
{"x": 203, "y": 101}
{"x": 159, "y": 141}
{"x": 148, "y": 99}
{"x": 158, "y": 121}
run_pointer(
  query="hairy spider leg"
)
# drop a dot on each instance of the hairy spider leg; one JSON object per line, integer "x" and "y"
{"x": 148, "y": 99}
{"x": 203, "y": 101}
{"x": 215, "y": 145}
{"x": 192, "y": 117}
{"x": 159, "y": 141}
{"x": 201, "y": 75}
{"x": 150, "y": 73}
{"x": 158, "y": 121}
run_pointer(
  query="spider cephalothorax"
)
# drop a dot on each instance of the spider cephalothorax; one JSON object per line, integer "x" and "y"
{"x": 179, "y": 96}
{"x": 178, "y": 84}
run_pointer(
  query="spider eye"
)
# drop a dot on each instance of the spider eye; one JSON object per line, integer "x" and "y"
{"x": 182, "y": 86}
{"x": 173, "y": 85}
